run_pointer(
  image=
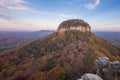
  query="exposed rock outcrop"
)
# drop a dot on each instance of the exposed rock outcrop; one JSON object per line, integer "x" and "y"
{"x": 74, "y": 24}
{"x": 107, "y": 69}
{"x": 89, "y": 76}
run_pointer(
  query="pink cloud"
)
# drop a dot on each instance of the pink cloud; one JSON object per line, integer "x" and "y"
{"x": 14, "y": 4}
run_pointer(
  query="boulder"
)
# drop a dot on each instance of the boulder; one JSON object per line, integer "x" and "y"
{"x": 80, "y": 79}
{"x": 89, "y": 76}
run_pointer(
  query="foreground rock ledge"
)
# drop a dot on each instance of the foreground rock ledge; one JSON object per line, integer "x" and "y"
{"x": 89, "y": 76}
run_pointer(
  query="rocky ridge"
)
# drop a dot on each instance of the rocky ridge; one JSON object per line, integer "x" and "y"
{"x": 74, "y": 24}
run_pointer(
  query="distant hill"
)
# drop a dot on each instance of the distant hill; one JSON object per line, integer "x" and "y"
{"x": 11, "y": 39}
{"x": 59, "y": 56}
{"x": 112, "y": 37}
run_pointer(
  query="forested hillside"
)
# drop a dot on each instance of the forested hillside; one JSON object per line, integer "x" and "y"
{"x": 59, "y": 56}
{"x": 11, "y": 39}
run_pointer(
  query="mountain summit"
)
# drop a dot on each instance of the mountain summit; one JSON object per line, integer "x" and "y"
{"x": 64, "y": 55}
{"x": 74, "y": 24}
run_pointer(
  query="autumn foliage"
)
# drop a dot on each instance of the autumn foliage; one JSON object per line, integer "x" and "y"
{"x": 59, "y": 56}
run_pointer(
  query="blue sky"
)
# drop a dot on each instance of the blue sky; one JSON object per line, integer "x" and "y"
{"x": 35, "y": 15}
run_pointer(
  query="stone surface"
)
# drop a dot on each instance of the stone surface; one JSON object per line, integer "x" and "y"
{"x": 89, "y": 76}
{"x": 74, "y": 24}
{"x": 102, "y": 60}
{"x": 107, "y": 69}
{"x": 80, "y": 79}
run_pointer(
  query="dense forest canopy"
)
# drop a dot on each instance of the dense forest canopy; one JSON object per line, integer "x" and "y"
{"x": 73, "y": 23}
{"x": 59, "y": 56}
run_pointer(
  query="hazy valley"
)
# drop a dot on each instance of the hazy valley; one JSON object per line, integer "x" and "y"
{"x": 112, "y": 37}
{"x": 11, "y": 39}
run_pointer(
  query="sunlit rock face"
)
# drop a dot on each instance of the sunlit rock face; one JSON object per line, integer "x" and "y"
{"x": 74, "y": 24}
{"x": 89, "y": 76}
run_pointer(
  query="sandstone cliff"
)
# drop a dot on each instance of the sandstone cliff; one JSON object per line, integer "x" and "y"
{"x": 74, "y": 24}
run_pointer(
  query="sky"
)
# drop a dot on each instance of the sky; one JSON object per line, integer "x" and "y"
{"x": 35, "y": 15}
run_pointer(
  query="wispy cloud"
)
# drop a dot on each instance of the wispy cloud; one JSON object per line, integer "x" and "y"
{"x": 66, "y": 15}
{"x": 92, "y": 5}
{"x": 10, "y": 9}
{"x": 53, "y": 14}
{"x": 5, "y": 16}
{"x": 14, "y": 5}
{"x": 42, "y": 12}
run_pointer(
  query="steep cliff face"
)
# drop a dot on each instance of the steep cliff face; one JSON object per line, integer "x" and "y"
{"x": 74, "y": 24}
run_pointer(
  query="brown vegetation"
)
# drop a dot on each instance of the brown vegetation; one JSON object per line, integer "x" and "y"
{"x": 60, "y": 56}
